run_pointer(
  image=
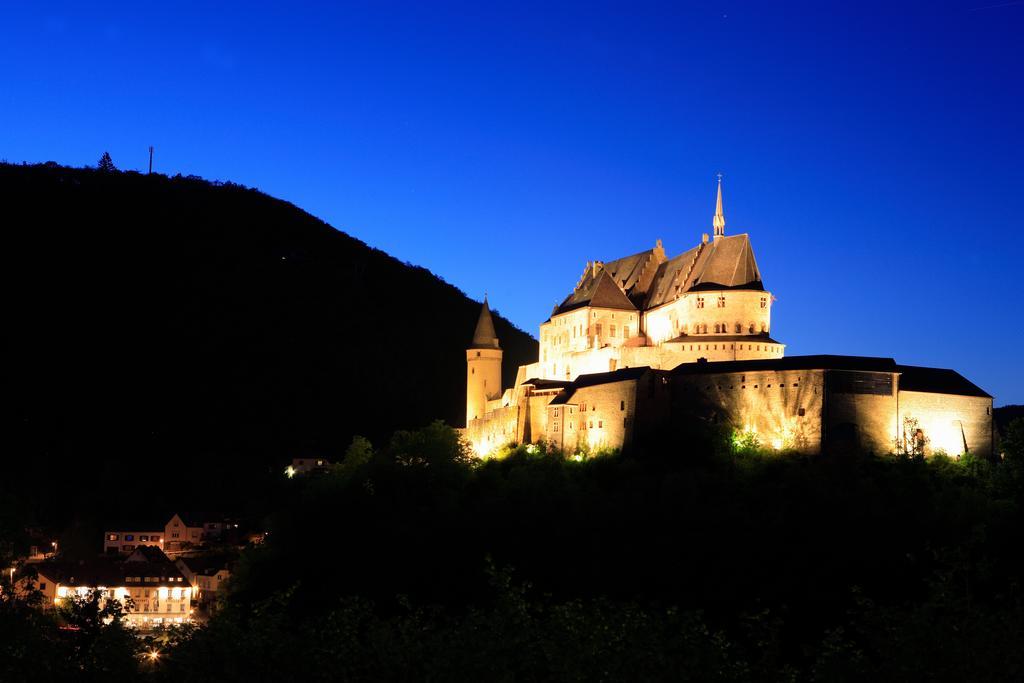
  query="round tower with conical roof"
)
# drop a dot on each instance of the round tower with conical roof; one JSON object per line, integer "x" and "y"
{"x": 483, "y": 367}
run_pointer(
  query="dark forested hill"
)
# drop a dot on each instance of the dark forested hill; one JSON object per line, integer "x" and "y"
{"x": 166, "y": 331}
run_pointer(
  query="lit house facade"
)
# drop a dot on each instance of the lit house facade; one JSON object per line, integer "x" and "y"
{"x": 646, "y": 341}
{"x": 152, "y": 590}
{"x": 178, "y": 534}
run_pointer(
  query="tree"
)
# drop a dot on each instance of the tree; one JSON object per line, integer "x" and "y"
{"x": 912, "y": 441}
{"x": 102, "y": 643}
{"x": 106, "y": 164}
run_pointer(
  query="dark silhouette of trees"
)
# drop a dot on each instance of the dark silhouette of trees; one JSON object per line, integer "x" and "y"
{"x": 106, "y": 164}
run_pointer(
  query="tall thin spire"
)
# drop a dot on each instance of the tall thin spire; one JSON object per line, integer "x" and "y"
{"x": 719, "y": 219}
{"x": 485, "y": 337}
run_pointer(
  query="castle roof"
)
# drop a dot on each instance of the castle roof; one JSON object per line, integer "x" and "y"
{"x": 725, "y": 263}
{"x": 623, "y": 375}
{"x": 912, "y": 378}
{"x": 707, "y": 338}
{"x": 817, "y": 362}
{"x": 648, "y": 280}
{"x": 598, "y": 288}
{"x": 485, "y": 337}
{"x": 938, "y": 381}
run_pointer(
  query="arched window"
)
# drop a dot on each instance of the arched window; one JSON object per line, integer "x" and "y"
{"x": 739, "y": 328}
{"x": 764, "y": 328}
{"x": 751, "y": 328}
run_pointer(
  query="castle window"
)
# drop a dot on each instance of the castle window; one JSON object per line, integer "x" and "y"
{"x": 751, "y": 328}
{"x": 764, "y": 302}
{"x": 700, "y": 302}
{"x": 477, "y": 354}
{"x": 739, "y": 328}
{"x": 622, "y": 405}
{"x": 600, "y": 424}
{"x": 764, "y": 328}
{"x": 800, "y": 412}
{"x": 591, "y": 424}
{"x": 721, "y": 302}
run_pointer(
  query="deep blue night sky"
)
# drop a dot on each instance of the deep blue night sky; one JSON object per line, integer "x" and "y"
{"x": 873, "y": 151}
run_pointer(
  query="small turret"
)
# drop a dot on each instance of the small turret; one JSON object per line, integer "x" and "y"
{"x": 483, "y": 366}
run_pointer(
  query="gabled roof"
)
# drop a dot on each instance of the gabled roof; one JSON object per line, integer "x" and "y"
{"x": 626, "y": 271}
{"x": 937, "y": 381}
{"x": 599, "y": 290}
{"x": 727, "y": 262}
{"x": 110, "y": 572}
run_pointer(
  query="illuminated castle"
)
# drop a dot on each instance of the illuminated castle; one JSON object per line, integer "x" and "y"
{"x": 644, "y": 338}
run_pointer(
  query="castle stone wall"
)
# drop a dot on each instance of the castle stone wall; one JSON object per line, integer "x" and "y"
{"x": 598, "y": 416}
{"x": 783, "y": 409}
{"x": 951, "y": 423}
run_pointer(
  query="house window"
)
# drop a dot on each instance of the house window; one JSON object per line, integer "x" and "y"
{"x": 129, "y": 537}
{"x": 143, "y": 538}
{"x": 764, "y": 302}
{"x": 42, "y": 585}
{"x": 800, "y": 412}
{"x": 611, "y": 330}
{"x": 591, "y": 424}
{"x": 739, "y": 328}
{"x": 625, "y": 331}
{"x": 113, "y": 537}
{"x": 721, "y": 302}
{"x": 598, "y": 329}
{"x": 600, "y": 424}
{"x": 700, "y": 302}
